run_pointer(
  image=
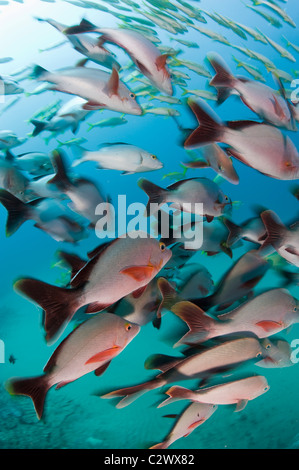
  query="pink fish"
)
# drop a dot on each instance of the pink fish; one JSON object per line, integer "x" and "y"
{"x": 142, "y": 51}
{"x": 114, "y": 270}
{"x": 283, "y": 239}
{"x": 193, "y": 416}
{"x": 258, "y": 145}
{"x": 90, "y": 347}
{"x": 260, "y": 98}
{"x": 265, "y": 315}
{"x": 237, "y": 392}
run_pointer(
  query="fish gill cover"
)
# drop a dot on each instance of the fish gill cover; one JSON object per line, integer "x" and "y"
{"x": 109, "y": 109}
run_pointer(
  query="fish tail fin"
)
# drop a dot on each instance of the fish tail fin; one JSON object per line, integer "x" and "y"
{"x": 155, "y": 193}
{"x": 39, "y": 126}
{"x": 223, "y": 77}
{"x": 235, "y": 232}
{"x": 59, "y": 303}
{"x": 160, "y": 445}
{"x": 130, "y": 394}
{"x": 275, "y": 228}
{"x": 17, "y": 211}
{"x": 61, "y": 179}
{"x": 169, "y": 297}
{"x": 176, "y": 393}
{"x": 84, "y": 27}
{"x": 209, "y": 129}
{"x": 36, "y": 388}
{"x": 78, "y": 152}
{"x": 38, "y": 72}
{"x": 222, "y": 94}
{"x": 200, "y": 324}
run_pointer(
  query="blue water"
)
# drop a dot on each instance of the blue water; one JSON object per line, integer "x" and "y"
{"x": 75, "y": 418}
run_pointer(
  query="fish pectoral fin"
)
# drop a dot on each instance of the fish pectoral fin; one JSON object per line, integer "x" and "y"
{"x": 161, "y": 61}
{"x": 269, "y": 325}
{"x": 100, "y": 370}
{"x": 92, "y": 105}
{"x": 292, "y": 250}
{"x": 96, "y": 307}
{"x": 138, "y": 292}
{"x": 241, "y": 405}
{"x": 105, "y": 355}
{"x": 139, "y": 273}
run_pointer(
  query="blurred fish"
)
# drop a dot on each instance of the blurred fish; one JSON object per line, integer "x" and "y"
{"x": 165, "y": 99}
{"x": 110, "y": 122}
{"x": 90, "y": 48}
{"x": 161, "y": 111}
{"x": 252, "y": 230}
{"x": 119, "y": 156}
{"x": 115, "y": 269}
{"x": 4, "y": 60}
{"x": 99, "y": 88}
{"x": 265, "y": 315}
{"x": 192, "y": 417}
{"x": 237, "y": 282}
{"x": 8, "y": 140}
{"x": 253, "y": 71}
{"x": 280, "y": 354}
{"x": 48, "y": 215}
{"x": 261, "y": 146}
{"x": 189, "y": 192}
{"x": 269, "y": 18}
{"x": 83, "y": 193}
{"x": 193, "y": 280}
{"x": 143, "y": 53}
{"x": 211, "y": 34}
{"x": 201, "y": 365}
{"x": 208, "y": 95}
{"x": 281, "y": 50}
{"x": 260, "y": 98}
{"x": 186, "y": 43}
{"x": 69, "y": 115}
{"x": 90, "y": 347}
{"x": 53, "y": 46}
{"x": 36, "y": 163}
{"x": 197, "y": 68}
{"x": 283, "y": 239}
{"x": 237, "y": 392}
{"x": 277, "y": 9}
{"x": 9, "y": 104}
{"x": 8, "y": 86}
{"x": 214, "y": 157}
{"x": 12, "y": 359}
{"x": 12, "y": 179}
{"x": 292, "y": 45}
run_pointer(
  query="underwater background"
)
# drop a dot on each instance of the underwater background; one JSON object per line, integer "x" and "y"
{"x": 75, "y": 417}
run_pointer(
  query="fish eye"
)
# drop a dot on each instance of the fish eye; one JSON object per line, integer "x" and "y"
{"x": 128, "y": 326}
{"x": 226, "y": 198}
{"x": 132, "y": 95}
{"x": 259, "y": 354}
{"x": 220, "y": 167}
{"x": 266, "y": 388}
{"x": 295, "y": 309}
{"x": 287, "y": 164}
{"x": 154, "y": 157}
{"x": 268, "y": 346}
{"x": 162, "y": 246}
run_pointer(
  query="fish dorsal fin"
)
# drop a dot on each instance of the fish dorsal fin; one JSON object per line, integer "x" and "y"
{"x": 239, "y": 125}
{"x": 241, "y": 405}
{"x": 100, "y": 370}
{"x": 74, "y": 261}
{"x": 161, "y": 61}
{"x": 98, "y": 249}
{"x": 177, "y": 184}
{"x": 113, "y": 83}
